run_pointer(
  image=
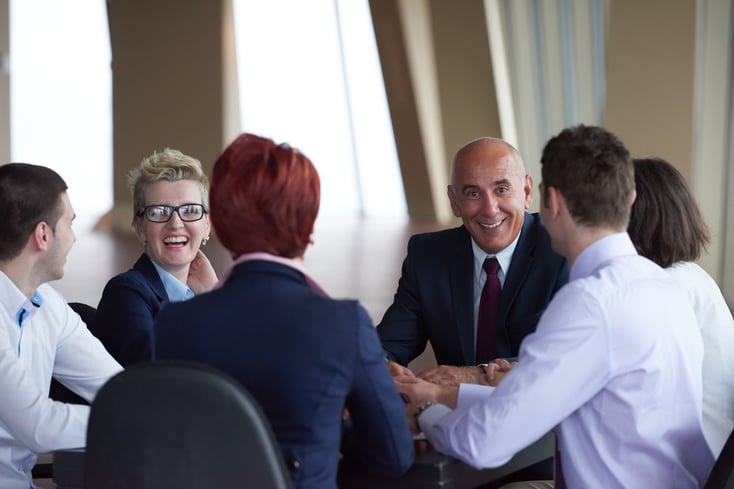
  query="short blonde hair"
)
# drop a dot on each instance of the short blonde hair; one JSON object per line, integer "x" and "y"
{"x": 170, "y": 165}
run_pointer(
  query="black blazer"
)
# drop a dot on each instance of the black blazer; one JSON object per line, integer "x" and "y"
{"x": 434, "y": 300}
{"x": 304, "y": 357}
{"x": 125, "y": 314}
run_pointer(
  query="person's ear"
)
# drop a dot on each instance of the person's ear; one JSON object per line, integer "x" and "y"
{"x": 139, "y": 231}
{"x": 452, "y": 198}
{"x": 556, "y": 202}
{"x": 41, "y": 236}
{"x": 528, "y": 191}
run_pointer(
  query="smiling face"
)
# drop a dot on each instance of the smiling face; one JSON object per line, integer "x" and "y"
{"x": 490, "y": 192}
{"x": 173, "y": 244}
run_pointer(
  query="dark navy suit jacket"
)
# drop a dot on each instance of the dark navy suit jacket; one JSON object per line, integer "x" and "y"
{"x": 434, "y": 300}
{"x": 125, "y": 314}
{"x": 305, "y": 358}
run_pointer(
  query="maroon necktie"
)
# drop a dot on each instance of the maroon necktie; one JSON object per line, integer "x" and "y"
{"x": 488, "y": 302}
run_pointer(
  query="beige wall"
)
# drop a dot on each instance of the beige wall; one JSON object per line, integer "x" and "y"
{"x": 650, "y": 70}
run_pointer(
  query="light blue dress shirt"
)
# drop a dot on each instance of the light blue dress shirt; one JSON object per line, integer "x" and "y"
{"x": 614, "y": 366}
{"x": 177, "y": 291}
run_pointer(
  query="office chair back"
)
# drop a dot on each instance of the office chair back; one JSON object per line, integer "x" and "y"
{"x": 179, "y": 425}
{"x": 58, "y": 391}
{"x": 722, "y": 475}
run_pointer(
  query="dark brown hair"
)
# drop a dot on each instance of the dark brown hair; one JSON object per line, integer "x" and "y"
{"x": 666, "y": 225}
{"x": 29, "y": 194}
{"x": 593, "y": 171}
{"x": 264, "y": 197}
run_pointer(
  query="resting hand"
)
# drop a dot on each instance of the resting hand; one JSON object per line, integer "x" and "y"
{"x": 397, "y": 370}
{"x": 448, "y": 375}
{"x": 496, "y": 371}
{"x": 202, "y": 276}
{"x": 416, "y": 390}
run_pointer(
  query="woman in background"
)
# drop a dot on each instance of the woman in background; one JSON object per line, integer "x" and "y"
{"x": 303, "y": 356}
{"x": 666, "y": 226}
{"x": 170, "y": 219}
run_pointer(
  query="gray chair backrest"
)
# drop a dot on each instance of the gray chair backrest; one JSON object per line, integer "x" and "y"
{"x": 179, "y": 425}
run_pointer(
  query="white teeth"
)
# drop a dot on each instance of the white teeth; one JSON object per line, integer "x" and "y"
{"x": 490, "y": 226}
{"x": 176, "y": 240}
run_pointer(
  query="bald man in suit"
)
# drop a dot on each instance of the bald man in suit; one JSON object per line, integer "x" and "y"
{"x": 438, "y": 294}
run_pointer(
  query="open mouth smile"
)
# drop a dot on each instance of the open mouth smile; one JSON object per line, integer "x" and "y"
{"x": 491, "y": 226}
{"x": 176, "y": 241}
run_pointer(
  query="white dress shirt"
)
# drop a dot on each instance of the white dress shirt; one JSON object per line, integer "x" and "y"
{"x": 717, "y": 331}
{"x": 504, "y": 258}
{"x": 614, "y": 366}
{"x": 50, "y": 340}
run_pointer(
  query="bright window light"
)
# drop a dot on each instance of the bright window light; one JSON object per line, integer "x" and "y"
{"x": 60, "y": 96}
{"x": 309, "y": 75}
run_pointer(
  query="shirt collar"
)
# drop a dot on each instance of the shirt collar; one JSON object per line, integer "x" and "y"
{"x": 504, "y": 257}
{"x": 176, "y": 290}
{"x": 17, "y": 302}
{"x": 599, "y": 252}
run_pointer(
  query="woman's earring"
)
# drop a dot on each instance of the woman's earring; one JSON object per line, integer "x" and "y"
{"x": 205, "y": 240}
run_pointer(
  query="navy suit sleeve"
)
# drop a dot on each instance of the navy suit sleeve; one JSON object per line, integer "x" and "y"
{"x": 380, "y": 440}
{"x": 402, "y": 331}
{"x": 124, "y": 320}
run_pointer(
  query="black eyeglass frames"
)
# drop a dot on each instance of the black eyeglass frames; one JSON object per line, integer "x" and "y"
{"x": 163, "y": 213}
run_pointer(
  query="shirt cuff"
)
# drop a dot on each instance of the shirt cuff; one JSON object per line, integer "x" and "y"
{"x": 471, "y": 393}
{"x": 431, "y": 415}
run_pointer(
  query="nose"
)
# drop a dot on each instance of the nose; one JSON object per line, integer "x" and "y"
{"x": 490, "y": 204}
{"x": 175, "y": 220}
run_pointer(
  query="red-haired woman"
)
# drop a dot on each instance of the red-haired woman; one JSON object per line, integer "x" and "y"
{"x": 304, "y": 356}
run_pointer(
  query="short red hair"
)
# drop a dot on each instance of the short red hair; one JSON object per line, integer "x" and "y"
{"x": 264, "y": 197}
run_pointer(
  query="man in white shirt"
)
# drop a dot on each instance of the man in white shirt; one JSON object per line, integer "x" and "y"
{"x": 615, "y": 363}
{"x": 40, "y": 336}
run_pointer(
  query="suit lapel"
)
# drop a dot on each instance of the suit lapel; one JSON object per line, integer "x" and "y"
{"x": 147, "y": 269}
{"x": 461, "y": 273}
{"x": 522, "y": 262}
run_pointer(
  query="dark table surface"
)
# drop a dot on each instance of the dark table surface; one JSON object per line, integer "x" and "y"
{"x": 436, "y": 470}
{"x": 430, "y": 469}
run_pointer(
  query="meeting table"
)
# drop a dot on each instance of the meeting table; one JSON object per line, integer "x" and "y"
{"x": 430, "y": 469}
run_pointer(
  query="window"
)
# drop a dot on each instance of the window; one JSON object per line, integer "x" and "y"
{"x": 309, "y": 75}
{"x": 60, "y": 96}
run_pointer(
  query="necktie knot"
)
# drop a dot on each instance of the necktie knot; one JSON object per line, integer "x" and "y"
{"x": 491, "y": 266}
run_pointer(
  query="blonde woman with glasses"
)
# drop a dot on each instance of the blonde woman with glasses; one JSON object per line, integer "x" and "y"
{"x": 171, "y": 220}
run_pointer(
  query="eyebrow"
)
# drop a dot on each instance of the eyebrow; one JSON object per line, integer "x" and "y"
{"x": 501, "y": 181}
{"x": 469, "y": 186}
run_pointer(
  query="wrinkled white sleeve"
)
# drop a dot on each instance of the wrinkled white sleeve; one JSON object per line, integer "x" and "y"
{"x": 29, "y": 415}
